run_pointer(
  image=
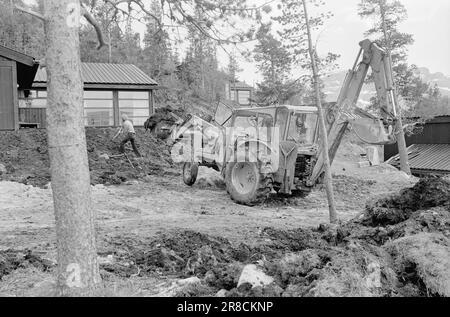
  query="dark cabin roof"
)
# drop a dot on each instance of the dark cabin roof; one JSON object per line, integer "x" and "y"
{"x": 102, "y": 75}
{"x": 427, "y": 158}
{"x": 240, "y": 85}
{"x": 27, "y": 66}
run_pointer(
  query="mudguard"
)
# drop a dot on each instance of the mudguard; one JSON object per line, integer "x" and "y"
{"x": 256, "y": 151}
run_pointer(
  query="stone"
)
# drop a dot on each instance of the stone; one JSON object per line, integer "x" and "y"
{"x": 189, "y": 281}
{"x": 222, "y": 293}
{"x": 106, "y": 260}
{"x": 254, "y": 276}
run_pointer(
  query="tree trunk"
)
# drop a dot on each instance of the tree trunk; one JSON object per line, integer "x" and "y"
{"x": 401, "y": 142}
{"x": 323, "y": 127}
{"x": 78, "y": 272}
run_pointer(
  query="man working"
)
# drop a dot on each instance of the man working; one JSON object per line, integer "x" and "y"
{"x": 129, "y": 135}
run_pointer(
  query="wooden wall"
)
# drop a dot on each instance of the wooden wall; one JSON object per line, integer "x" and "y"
{"x": 8, "y": 96}
{"x": 33, "y": 115}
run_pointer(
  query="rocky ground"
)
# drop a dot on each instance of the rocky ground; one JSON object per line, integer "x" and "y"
{"x": 157, "y": 237}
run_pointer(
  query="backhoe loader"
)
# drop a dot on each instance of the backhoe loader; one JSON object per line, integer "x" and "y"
{"x": 277, "y": 150}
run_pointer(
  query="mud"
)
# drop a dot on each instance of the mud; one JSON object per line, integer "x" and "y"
{"x": 427, "y": 193}
{"x": 25, "y": 156}
{"x": 11, "y": 260}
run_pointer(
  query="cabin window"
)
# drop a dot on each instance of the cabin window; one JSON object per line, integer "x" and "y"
{"x": 36, "y": 99}
{"x": 136, "y": 105}
{"x": 98, "y": 108}
{"x": 244, "y": 97}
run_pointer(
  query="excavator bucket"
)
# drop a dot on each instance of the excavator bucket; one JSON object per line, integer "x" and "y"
{"x": 373, "y": 131}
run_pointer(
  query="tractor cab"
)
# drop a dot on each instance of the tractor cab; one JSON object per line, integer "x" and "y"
{"x": 297, "y": 124}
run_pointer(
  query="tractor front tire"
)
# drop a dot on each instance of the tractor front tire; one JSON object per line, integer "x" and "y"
{"x": 246, "y": 185}
{"x": 190, "y": 173}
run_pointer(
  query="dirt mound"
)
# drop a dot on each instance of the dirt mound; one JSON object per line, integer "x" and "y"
{"x": 119, "y": 169}
{"x": 301, "y": 262}
{"x": 163, "y": 120}
{"x": 182, "y": 254}
{"x": 423, "y": 260}
{"x": 427, "y": 193}
{"x": 405, "y": 257}
{"x": 12, "y": 260}
{"x": 25, "y": 156}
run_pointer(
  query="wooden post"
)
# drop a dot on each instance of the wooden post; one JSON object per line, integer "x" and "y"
{"x": 323, "y": 127}
{"x": 151, "y": 101}
{"x": 116, "y": 108}
{"x": 15, "y": 97}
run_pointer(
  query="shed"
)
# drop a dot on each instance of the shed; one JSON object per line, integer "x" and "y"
{"x": 240, "y": 92}
{"x": 426, "y": 159}
{"x": 17, "y": 72}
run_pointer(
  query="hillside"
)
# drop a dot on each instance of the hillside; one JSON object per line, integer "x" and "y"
{"x": 333, "y": 84}
{"x": 442, "y": 81}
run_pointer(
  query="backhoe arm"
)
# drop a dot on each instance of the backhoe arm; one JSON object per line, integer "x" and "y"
{"x": 345, "y": 113}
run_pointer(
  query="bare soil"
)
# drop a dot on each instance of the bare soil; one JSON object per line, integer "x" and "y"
{"x": 154, "y": 231}
{"x": 25, "y": 156}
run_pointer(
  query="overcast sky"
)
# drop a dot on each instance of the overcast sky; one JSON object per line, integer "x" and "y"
{"x": 429, "y": 22}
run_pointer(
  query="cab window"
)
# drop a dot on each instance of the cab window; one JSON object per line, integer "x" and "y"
{"x": 259, "y": 125}
{"x": 302, "y": 128}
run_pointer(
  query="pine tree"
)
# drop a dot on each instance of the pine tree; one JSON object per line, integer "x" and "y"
{"x": 20, "y": 31}
{"x": 409, "y": 84}
{"x": 292, "y": 19}
{"x": 274, "y": 63}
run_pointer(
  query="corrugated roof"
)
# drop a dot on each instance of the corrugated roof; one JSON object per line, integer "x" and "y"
{"x": 427, "y": 157}
{"x": 101, "y": 73}
{"x": 240, "y": 85}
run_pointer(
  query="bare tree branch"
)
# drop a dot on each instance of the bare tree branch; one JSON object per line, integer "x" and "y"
{"x": 96, "y": 25}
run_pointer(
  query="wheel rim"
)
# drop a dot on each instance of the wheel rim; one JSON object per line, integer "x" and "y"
{"x": 243, "y": 178}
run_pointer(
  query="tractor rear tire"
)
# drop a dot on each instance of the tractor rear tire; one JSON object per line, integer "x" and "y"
{"x": 190, "y": 173}
{"x": 246, "y": 185}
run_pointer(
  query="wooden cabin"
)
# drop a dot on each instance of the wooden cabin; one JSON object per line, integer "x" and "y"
{"x": 239, "y": 92}
{"x": 110, "y": 90}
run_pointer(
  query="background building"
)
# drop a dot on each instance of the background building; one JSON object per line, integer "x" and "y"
{"x": 239, "y": 92}
{"x": 428, "y": 151}
{"x": 110, "y": 90}
{"x": 17, "y": 72}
